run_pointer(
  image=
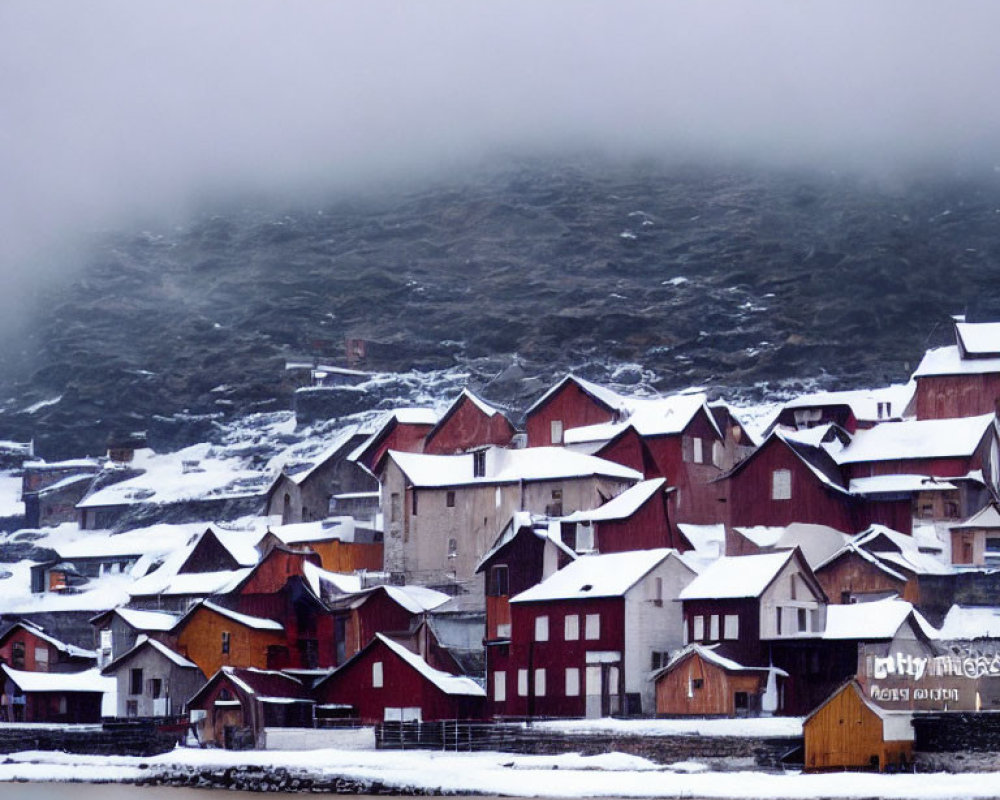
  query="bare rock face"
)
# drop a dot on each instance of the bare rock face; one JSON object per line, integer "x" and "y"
{"x": 730, "y": 278}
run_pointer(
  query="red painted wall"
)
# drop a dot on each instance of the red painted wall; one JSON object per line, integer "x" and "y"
{"x": 402, "y": 687}
{"x": 946, "y": 396}
{"x": 554, "y": 656}
{"x": 647, "y": 529}
{"x": 378, "y": 614}
{"x": 467, "y": 427}
{"x": 271, "y": 574}
{"x": 629, "y": 450}
{"x": 570, "y": 404}
{"x": 404, "y": 437}
{"x": 747, "y": 649}
{"x": 30, "y": 643}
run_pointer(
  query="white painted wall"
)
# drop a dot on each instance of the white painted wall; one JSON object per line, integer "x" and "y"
{"x": 317, "y": 738}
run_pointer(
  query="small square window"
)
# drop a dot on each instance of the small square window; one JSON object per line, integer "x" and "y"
{"x": 449, "y": 498}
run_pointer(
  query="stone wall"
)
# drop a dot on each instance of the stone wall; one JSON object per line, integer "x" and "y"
{"x": 125, "y": 740}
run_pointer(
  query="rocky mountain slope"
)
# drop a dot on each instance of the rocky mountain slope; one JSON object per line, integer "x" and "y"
{"x": 734, "y": 278}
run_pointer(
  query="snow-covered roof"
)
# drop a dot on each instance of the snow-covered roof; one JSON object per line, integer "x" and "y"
{"x": 988, "y": 517}
{"x": 949, "y": 361}
{"x": 506, "y": 466}
{"x": 900, "y": 552}
{"x": 609, "y": 398}
{"x": 659, "y": 416}
{"x": 543, "y": 527}
{"x": 609, "y": 575}
{"x": 736, "y": 576}
{"x": 257, "y": 623}
{"x": 864, "y": 403}
{"x": 89, "y": 680}
{"x": 914, "y": 439}
{"x": 143, "y": 641}
{"x": 979, "y": 338}
{"x": 898, "y": 484}
{"x": 709, "y": 541}
{"x": 621, "y": 507}
{"x": 708, "y": 652}
{"x": 316, "y": 577}
{"x": 446, "y": 682}
{"x": 147, "y": 620}
{"x": 341, "y": 528}
{"x": 189, "y": 583}
{"x": 817, "y": 455}
{"x": 69, "y": 649}
{"x": 879, "y": 619}
{"x": 416, "y": 599}
{"x": 964, "y": 622}
{"x": 165, "y": 480}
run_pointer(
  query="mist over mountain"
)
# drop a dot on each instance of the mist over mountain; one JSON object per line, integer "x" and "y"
{"x": 745, "y": 280}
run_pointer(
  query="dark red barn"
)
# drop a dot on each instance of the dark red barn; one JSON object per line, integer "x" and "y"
{"x": 468, "y": 423}
{"x": 571, "y": 403}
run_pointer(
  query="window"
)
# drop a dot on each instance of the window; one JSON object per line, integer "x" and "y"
{"x": 698, "y": 634}
{"x": 225, "y": 642}
{"x": 522, "y": 683}
{"x": 778, "y": 621}
{"x": 593, "y": 626}
{"x": 697, "y": 683}
{"x": 453, "y": 548}
{"x": 497, "y": 497}
{"x": 657, "y": 590}
{"x": 571, "y": 627}
{"x": 106, "y": 639}
{"x": 499, "y": 686}
{"x": 781, "y": 484}
{"x": 131, "y": 708}
{"x": 699, "y": 455}
{"x": 542, "y": 629}
{"x": 555, "y": 508}
{"x": 731, "y": 627}
{"x": 556, "y": 431}
{"x": 539, "y": 683}
{"x": 713, "y": 633}
{"x": 584, "y": 537}
{"x": 503, "y": 631}
{"x": 498, "y": 581}
{"x": 17, "y": 655}
{"x": 377, "y": 675}
{"x": 156, "y": 687}
{"x": 803, "y": 620}
{"x": 135, "y": 681}
{"x": 479, "y": 464}
{"x": 791, "y": 586}
{"x": 572, "y": 682}
{"x": 449, "y": 498}
{"x": 395, "y": 507}
{"x": 413, "y": 502}
{"x": 42, "y": 659}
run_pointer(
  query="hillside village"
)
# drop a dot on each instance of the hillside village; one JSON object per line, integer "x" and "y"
{"x": 593, "y": 554}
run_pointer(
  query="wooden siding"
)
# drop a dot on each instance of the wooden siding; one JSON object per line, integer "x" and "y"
{"x": 947, "y": 396}
{"x": 648, "y": 528}
{"x": 58, "y": 660}
{"x": 630, "y": 450}
{"x": 200, "y": 640}
{"x": 377, "y": 614}
{"x": 678, "y": 694}
{"x": 402, "y": 687}
{"x": 338, "y": 556}
{"x": 846, "y": 733}
{"x": 856, "y": 576}
{"x": 468, "y": 426}
{"x": 746, "y": 649}
{"x": 274, "y": 570}
{"x": 570, "y": 405}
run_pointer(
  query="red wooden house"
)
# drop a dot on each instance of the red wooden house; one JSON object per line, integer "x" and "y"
{"x": 850, "y": 410}
{"x": 571, "y": 403}
{"x": 395, "y": 611}
{"x": 584, "y": 641}
{"x": 25, "y": 646}
{"x": 385, "y": 682}
{"x": 403, "y": 429}
{"x": 468, "y": 423}
{"x": 795, "y": 477}
{"x": 962, "y": 380}
{"x": 65, "y": 698}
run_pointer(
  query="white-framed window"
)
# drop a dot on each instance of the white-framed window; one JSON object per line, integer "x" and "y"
{"x": 584, "y": 537}
{"x": 781, "y": 484}
{"x": 713, "y": 631}
{"x": 377, "y": 675}
{"x": 592, "y": 626}
{"x": 542, "y": 628}
{"x": 731, "y": 627}
{"x": 572, "y": 682}
{"x": 499, "y": 686}
{"x": 556, "y": 431}
{"x": 698, "y": 632}
{"x": 571, "y": 627}
{"x": 42, "y": 659}
{"x": 503, "y": 630}
{"x": 540, "y": 682}
{"x": 699, "y": 455}
{"x": 497, "y": 497}
{"x": 522, "y": 683}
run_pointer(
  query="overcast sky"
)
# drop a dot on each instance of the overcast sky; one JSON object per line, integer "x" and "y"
{"x": 108, "y": 108}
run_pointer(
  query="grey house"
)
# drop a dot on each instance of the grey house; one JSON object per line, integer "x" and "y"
{"x": 153, "y": 681}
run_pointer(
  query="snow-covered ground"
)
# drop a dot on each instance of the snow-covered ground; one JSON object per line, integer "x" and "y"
{"x": 570, "y": 775}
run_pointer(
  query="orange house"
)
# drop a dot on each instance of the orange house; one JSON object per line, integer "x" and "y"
{"x": 212, "y": 637}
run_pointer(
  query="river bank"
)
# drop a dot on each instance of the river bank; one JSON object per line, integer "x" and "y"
{"x": 503, "y": 774}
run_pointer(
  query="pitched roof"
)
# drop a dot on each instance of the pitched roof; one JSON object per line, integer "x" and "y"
{"x": 963, "y": 622}
{"x": 142, "y": 620}
{"x": 69, "y": 649}
{"x": 988, "y": 517}
{"x": 589, "y": 576}
{"x": 708, "y": 652}
{"x": 414, "y": 599}
{"x": 623, "y": 505}
{"x": 817, "y": 542}
{"x": 506, "y": 466}
{"x": 737, "y": 576}
{"x": 447, "y": 683}
{"x": 398, "y": 416}
{"x": 659, "y": 416}
{"x": 979, "y": 338}
{"x": 144, "y": 642}
{"x": 898, "y": 484}
{"x": 466, "y": 396}
{"x": 864, "y": 403}
{"x": 89, "y": 680}
{"x": 949, "y": 361}
{"x": 342, "y": 583}
{"x": 543, "y": 527}
{"x": 891, "y": 551}
{"x": 916, "y": 439}
{"x": 605, "y": 397}
{"x": 879, "y": 619}
{"x": 257, "y": 623}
